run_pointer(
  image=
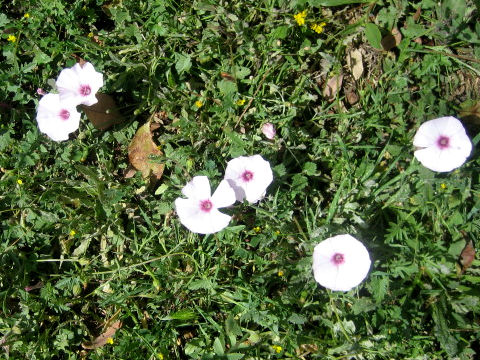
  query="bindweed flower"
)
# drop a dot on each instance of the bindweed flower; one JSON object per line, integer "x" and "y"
{"x": 268, "y": 129}
{"x": 55, "y": 118}
{"x": 444, "y": 144}
{"x": 79, "y": 84}
{"x": 199, "y": 212}
{"x": 340, "y": 262}
{"x": 249, "y": 176}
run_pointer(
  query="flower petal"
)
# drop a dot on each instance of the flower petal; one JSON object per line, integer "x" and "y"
{"x": 224, "y": 195}
{"x": 198, "y": 188}
{"x": 49, "y": 120}
{"x": 197, "y": 221}
{"x": 442, "y": 158}
{"x": 347, "y": 275}
{"x": 254, "y": 188}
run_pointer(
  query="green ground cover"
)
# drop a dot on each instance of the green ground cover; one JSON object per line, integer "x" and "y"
{"x": 94, "y": 262}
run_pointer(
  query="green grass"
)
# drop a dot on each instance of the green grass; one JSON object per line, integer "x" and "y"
{"x": 340, "y": 166}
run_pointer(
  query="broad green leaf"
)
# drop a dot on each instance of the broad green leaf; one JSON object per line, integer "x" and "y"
{"x": 374, "y": 36}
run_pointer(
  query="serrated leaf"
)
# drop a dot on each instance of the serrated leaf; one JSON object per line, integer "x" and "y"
{"x": 183, "y": 63}
{"x": 442, "y": 332}
{"x": 374, "y": 36}
{"x": 297, "y": 319}
{"x": 309, "y": 168}
{"x": 140, "y": 150}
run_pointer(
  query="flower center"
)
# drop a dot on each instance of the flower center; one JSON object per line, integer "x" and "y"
{"x": 206, "y": 205}
{"x": 247, "y": 175}
{"x": 85, "y": 90}
{"x": 64, "y": 114}
{"x": 338, "y": 259}
{"x": 443, "y": 142}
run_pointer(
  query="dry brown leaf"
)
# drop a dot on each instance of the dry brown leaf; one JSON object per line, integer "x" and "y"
{"x": 333, "y": 87}
{"x": 140, "y": 150}
{"x": 417, "y": 14}
{"x": 352, "y": 97}
{"x": 104, "y": 113}
{"x": 467, "y": 255}
{"x": 355, "y": 63}
{"x": 102, "y": 339}
{"x": 391, "y": 40}
{"x": 470, "y": 111}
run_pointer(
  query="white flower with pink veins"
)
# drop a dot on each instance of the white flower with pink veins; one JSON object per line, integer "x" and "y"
{"x": 55, "y": 118}
{"x": 199, "y": 211}
{"x": 443, "y": 144}
{"x": 249, "y": 176}
{"x": 79, "y": 84}
{"x": 340, "y": 263}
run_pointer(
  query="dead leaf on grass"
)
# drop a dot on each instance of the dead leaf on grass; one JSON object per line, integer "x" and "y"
{"x": 333, "y": 86}
{"x": 467, "y": 255}
{"x": 391, "y": 40}
{"x": 103, "y": 338}
{"x": 140, "y": 150}
{"x": 104, "y": 113}
{"x": 470, "y": 111}
{"x": 355, "y": 63}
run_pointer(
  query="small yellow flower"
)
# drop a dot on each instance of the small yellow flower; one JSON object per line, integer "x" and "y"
{"x": 318, "y": 28}
{"x": 443, "y": 186}
{"x": 257, "y": 229}
{"x": 240, "y": 102}
{"x": 160, "y": 356}
{"x": 277, "y": 232}
{"x": 12, "y": 38}
{"x": 19, "y": 182}
{"x": 26, "y": 15}
{"x": 72, "y": 233}
{"x": 110, "y": 341}
{"x": 198, "y": 104}
{"x": 280, "y": 273}
{"x": 278, "y": 349}
{"x": 90, "y": 34}
{"x": 300, "y": 17}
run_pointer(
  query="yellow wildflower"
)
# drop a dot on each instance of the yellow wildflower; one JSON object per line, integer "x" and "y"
{"x": 280, "y": 273}
{"x": 278, "y": 349}
{"x": 12, "y": 38}
{"x": 277, "y": 232}
{"x": 90, "y": 34}
{"x": 72, "y": 233}
{"x": 110, "y": 341}
{"x": 160, "y": 356}
{"x": 26, "y": 15}
{"x": 198, "y": 104}
{"x": 240, "y": 102}
{"x": 300, "y": 17}
{"x": 19, "y": 182}
{"x": 443, "y": 186}
{"x": 318, "y": 28}
{"x": 257, "y": 229}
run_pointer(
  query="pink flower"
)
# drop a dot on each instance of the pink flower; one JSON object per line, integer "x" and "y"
{"x": 268, "y": 129}
{"x": 444, "y": 144}
{"x": 249, "y": 176}
{"x": 340, "y": 263}
{"x": 55, "y": 118}
{"x": 79, "y": 84}
{"x": 199, "y": 212}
